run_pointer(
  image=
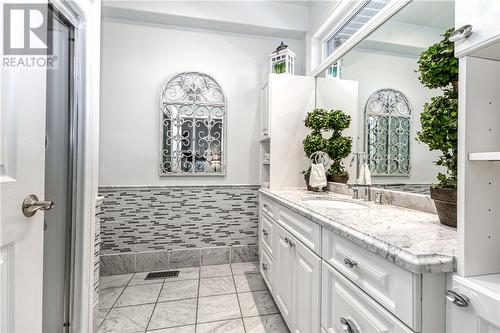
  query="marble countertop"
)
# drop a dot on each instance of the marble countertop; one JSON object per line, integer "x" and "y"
{"x": 411, "y": 239}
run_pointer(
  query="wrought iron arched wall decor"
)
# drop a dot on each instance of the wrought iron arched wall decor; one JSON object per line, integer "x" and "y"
{"x": 388, "y": 119}
{"x": 193, "y": 119}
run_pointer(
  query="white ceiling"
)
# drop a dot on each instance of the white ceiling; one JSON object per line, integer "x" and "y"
{"x": 432, "y": 14}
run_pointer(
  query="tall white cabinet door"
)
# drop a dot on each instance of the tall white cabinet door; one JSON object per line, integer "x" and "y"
{"x": 283, "y": 273}
{"x": 335, "y": 94}
{"x": 483, "y": 16}
{"x": 306, "y": 287}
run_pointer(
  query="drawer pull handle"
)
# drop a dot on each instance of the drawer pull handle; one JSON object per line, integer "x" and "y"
{"x": 461, "y": 33}
{"x": 457, "y": 298}
{"x": 265, "y": 266}
{"x": 348, "y": 326}
{"x": 350, "y": 263}
{"x": 265, "y": 231}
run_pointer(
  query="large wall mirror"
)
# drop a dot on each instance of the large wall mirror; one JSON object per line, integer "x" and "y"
{"x": 391, "y": 97}
{"x": 192, "y": 117}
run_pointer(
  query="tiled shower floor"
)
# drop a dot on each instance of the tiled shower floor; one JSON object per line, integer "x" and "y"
{"x": 222, "y": 298}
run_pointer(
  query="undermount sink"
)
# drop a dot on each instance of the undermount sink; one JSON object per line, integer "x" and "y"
{"x": 336, "y": 204}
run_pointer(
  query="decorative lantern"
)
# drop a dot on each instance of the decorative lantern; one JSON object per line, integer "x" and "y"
{"x": 282, "y": 60}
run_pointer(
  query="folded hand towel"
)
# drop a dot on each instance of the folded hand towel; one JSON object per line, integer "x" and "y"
{"x": 368, "y": 175}
{"x": 361, "y": 176}
{"x": 318, "y": 176}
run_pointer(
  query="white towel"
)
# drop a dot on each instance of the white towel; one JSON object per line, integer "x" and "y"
{"x": 318, "y": 176}
{"x": 361, "y": 176}
{"x": 367, "y": 174}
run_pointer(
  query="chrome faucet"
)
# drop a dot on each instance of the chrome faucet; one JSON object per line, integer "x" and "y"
{"x": 355, "y": 193}
{"x": 379, "y": 199}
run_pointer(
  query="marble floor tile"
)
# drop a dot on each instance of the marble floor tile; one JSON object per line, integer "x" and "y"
{"x": 138, "y": 279}
{"x": 127, "y": 320}
{"x": 143, "y": 294}
{"x": 217, "y": 286}
{"x": 257, "y": 303}
{"x": 99, "y": 316}
{"x": 214, "y": 308}
{"x": 249, "y": 282}
{"x": 227, "y": 326}
{"x": 265, "y": 324}
{"x": 175, "y": 290}
{"x": 175, "y": 313}
{"x": 178, "y": 329}
{"x": 108, "y": 297}
{"x": 215, "y": 270}
{"x": 114, "y": 281}
{"x": 189, "y": 273}
{"x": 245, "y": 268}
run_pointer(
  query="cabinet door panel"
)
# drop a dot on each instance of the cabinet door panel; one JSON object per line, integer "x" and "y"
{"x": 306, "y": 288}
{"x": 267, "y": 268}
{"x": 266, "y": 231}
{"x": 283, "y": 273}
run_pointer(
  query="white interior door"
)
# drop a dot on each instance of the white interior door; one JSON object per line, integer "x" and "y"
{"x": 23, "y": 95}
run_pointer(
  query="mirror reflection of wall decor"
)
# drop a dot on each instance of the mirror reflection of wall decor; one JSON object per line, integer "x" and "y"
{"x": 388, "y": 133}
{"x": 193, "y": 116}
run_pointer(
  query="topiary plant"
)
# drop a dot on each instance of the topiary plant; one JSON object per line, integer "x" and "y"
{"x": 314, "y": 142}
{"x": 440, "y": 132}
{"x": 337, "y": 146}
{"x": 315, "y": 120}
{"x": 438, "y": 68}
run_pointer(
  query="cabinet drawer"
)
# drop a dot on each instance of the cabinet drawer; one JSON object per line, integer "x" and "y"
{"x": 344, "y": 303}
{"x": 267, "y": 268}
{"x": 266, "y": 232}
{"x": 267, "y": 206}
{"x": 305, "y": 230}
{"x": 395, "y": 288}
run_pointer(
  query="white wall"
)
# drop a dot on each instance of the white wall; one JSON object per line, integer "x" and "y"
{"x": 138, "y": 58}
{"x": 376, "y": 71}
{"x": 268, "y": 18}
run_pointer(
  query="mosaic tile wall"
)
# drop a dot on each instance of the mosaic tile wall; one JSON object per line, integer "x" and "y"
{"x": 97, "y": 245}
{"x": 142, "y": 219}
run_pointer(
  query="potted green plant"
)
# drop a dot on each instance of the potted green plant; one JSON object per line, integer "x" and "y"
{"x": 438, "y": 68}
{"x": 338, "y": 146}
{"x": 321, "y": 121}
{"x": 314, "y": 141}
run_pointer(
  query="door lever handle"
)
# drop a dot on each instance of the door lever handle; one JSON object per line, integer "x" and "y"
{"x": 31, "y": 205}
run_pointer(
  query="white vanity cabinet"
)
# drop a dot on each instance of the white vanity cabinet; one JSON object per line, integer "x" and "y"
{"x": 323, "y": 282}
{"x": 483, "y": 16}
